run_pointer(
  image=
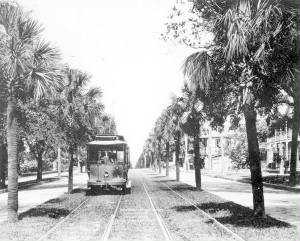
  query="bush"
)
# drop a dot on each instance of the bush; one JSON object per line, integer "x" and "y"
{"x": 239, "y": 155}
{"x": 27, "y": 164}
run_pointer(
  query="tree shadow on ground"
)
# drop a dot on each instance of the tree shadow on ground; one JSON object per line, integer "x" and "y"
{"x": 234, "y": 214}
{"x": 33, "y": 183}
{"x": 180, "y": 188}
{"x": 50, "y": 186}
{"x": 99, "y": 192}
{"x": 55, "y": 200}
{"x": 159, "y": 177}
{"x": 79, "y": 190}
{"x": 169, "y": 180}
{"x": 45, "y": 212}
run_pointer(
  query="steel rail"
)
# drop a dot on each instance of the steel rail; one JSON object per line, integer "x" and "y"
{"x": 50, "y": 231}
{"x": 160, "y": 221}
{"x": 220, "y": 225}
{"x": 108, "y": 228}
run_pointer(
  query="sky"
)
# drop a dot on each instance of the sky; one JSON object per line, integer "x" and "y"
{"x": 118, "y": 42}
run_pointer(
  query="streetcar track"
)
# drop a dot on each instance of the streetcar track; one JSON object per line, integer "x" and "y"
{"x": 105, "y": 236}
{"x": 108, "y": 229}
{"x": 216, "y": 222}
{"x": 50, "y": 231}
{"x": 109, "y": 226}
{"x": 159, "y": 219}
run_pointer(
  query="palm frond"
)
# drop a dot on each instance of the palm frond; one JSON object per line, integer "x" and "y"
{"x": 44, "y": 53}
{"x": 238, "y": 31}
{"x": 94, "y": 93}
{"x": 44, "y": 80}
{"x": 10, "y": 12}
{"x": 82, "y": 78}
{"x": 198, "y": 69}
{"x": 28, "y": 29}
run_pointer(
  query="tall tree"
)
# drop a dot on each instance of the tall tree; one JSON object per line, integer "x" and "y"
{"x": 3, "y": 151}
{"x": 79, "y": 110}
{"x": 258, "y": 36}
{"x": 158, "y": 133}
{"x": 244, "y": 37}
{"x": 166, "y": 131}
{"x": 190, "y": 124}
{"x": 176, "y": 110}
{"x": 27, "y": 63}
{"x": 39, "y": 129}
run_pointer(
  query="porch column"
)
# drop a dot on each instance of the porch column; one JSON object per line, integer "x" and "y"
{"x": 222, "y": 152}
{"x": 209, "y": 148}
{"x": 281, "y": 166}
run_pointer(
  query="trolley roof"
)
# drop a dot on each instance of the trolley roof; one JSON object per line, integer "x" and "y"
{"x": 108, "y": 141}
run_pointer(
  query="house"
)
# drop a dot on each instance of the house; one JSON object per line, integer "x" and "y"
{"x": 278, "y": 149}
{"x": 215, "y": 147}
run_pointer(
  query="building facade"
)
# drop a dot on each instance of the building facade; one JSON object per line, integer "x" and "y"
{"x": 215, "y": 147}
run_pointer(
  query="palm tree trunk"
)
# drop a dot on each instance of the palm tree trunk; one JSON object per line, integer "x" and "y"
{"x": 159, "y": 167}
{"x": 3, "y": 157}
{"x": 254, "y": 158}
{"x": 12, "y": 151}
{"x": 59, "y": 162}
{"x": 77, "y": 157}
{"x": 186, "y": 158}
{"x": 70, "y": 179}
{"x": 167, "y": 159}
{"x": 153, "y": 160}
{"x": 39, "y": 176}
{"x": 159, "y": 158}
{"x": 295, "y": 133}
{"x": 197, "y": 156}
{"x": 177, "y": 151}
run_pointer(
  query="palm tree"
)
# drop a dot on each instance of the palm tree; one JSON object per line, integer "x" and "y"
{"x": 190, "y": 124}
{"x": 246, "y": 33}
{"x": 164, "y": 121}
{"x": 149, "y": 152}
{"x": 71, "y": 116}
{"x": 28, "y": 65}
{"x": 3, "y": 151}
{"x": 176, "y": 110}
{"x": 151, "y": 149}
{"x": 80, "y": 111}
{"x": 158, "y": 133}
{"x": 92, "y": 107}
{"x": 106, "y": 124}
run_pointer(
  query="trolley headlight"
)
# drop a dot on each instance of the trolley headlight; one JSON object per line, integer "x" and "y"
{"x": 106, "y": 174}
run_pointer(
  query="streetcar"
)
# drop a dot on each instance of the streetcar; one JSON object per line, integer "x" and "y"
{"x": 108, "y": 163}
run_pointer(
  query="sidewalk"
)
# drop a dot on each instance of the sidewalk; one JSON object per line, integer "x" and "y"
{"x": 244, "y": 176}
{"x": 280, "y": 204}
{"x": 25, "y": 181}
{"x": 39, "y": 193}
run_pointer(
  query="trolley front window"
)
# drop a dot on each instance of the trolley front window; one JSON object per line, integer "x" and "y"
{"x": 105, "y": 156}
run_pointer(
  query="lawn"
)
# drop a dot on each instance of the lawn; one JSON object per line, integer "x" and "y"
{"x": 234, "y": 216}
{"x": 35, "y": 222}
